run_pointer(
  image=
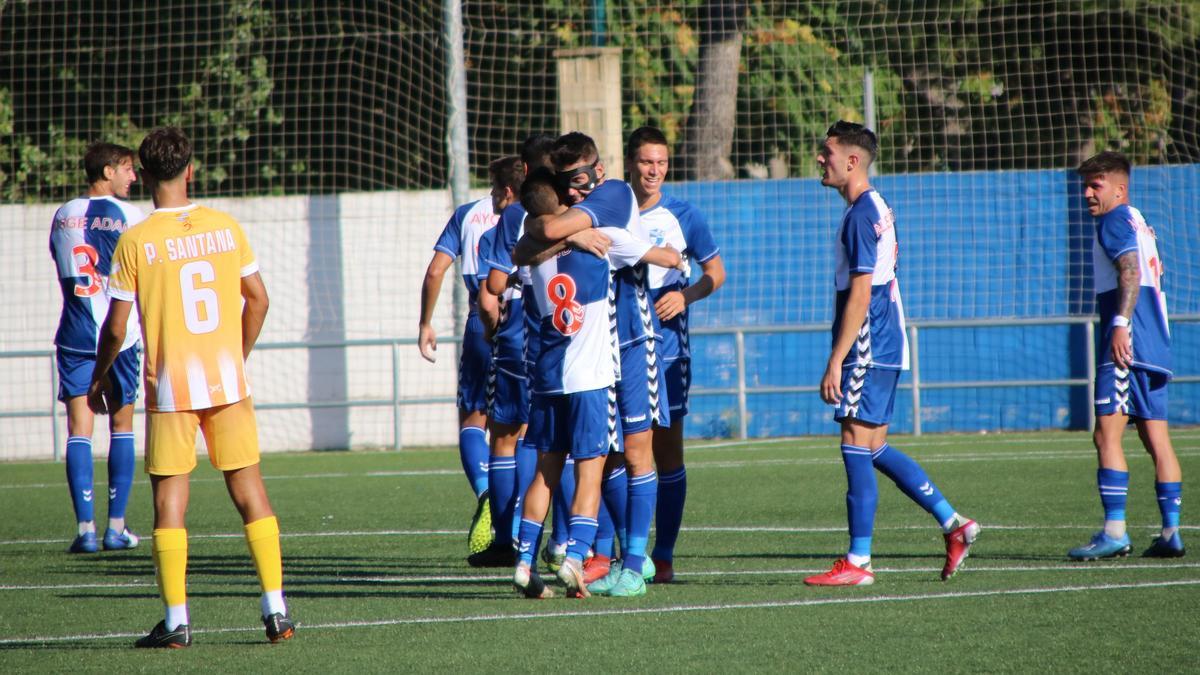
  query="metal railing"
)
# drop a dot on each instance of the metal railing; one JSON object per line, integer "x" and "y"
{"x": 396, "y": 402}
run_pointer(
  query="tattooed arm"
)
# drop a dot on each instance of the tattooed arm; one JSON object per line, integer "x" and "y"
{"x": 1129, "y": 284}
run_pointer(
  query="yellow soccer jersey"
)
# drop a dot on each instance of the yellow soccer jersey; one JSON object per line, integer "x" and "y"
{"x": 183, "y": 267}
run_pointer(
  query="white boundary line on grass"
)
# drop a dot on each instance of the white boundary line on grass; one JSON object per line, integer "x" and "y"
{"x": 669, "y": 609}
{"x": 739, "y": 529}
{"x": 1065, "y": 566}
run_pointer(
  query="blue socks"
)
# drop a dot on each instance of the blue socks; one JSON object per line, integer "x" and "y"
{"x": 473, "y": 452}
{"x": 1114, "y": 489}
{"x": 79, "y": 477}
{"x": 615, "y": 492}
{"x": 912, "y": 481}
{"x": 527, "y": 457}
{"x": 1170, "y": 501}
{"x": 502, "y": 487}
{"x": 672, "y": 493}
{"x": 862, "y": 496}
{"x": 528, "y": 533}
{"x": 564, "y": 494}
{"x": 120, "y": 473}
{"x": 642, "y": 493}
{"x": 581, "y": 533}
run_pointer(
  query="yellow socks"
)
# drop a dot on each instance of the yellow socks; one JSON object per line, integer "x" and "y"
{"x": 262, "y": 536}
{"x": 170, "y": 562}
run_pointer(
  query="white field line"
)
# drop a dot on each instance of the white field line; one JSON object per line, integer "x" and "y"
{"x": 1066, "y": 566}
{"x": 630, "y": 611}
{"x": 833, "y": 459}
{"x": 912, "y": 441}
{"x": 739, "y": 529}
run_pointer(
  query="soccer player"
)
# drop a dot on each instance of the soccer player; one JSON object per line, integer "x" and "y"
{"x": 82, "y": 238}
{"x": 1133, "y": 365}
{"x": 598, "y": 201}
{"x": 574, "y": 404}
{"x": 461, "y": 237}
{"x": 195, "y": 281}
{"x": 869, "y": 350}
{"x": 667, "y": 219}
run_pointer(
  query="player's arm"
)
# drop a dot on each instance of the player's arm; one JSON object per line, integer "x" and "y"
{"x": 533, "y": 252}
{"x": 558, "y": 226}
{"x": 112, "y": 336}
{"x": 663, "y": 256}
{"x": 254, "y": 311}
{"x": 1129, "y": 284}
{"x": 858, "y": 301}
{"x": 672, "y": 304}
{"x": 489, "y": 302}
{"x": 430, "y": 288}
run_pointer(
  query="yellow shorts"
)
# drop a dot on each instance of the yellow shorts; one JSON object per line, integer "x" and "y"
{"x": 230, "y": 431}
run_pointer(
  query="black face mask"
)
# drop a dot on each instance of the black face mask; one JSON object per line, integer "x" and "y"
{"x": 563, "y": 178}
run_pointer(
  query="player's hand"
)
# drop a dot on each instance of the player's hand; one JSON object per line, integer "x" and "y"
{"x": 831, "y": 384}
{"x": 670, "y": 305}
{"x": 427, "y": 343}
{"x": 96, "y": 398}
{"x": 591, "y": 240}
{"x": 1122, "y": 347}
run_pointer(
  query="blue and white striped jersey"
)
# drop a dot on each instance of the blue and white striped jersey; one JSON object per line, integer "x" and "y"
{"x": 82, "y": 238}
{"x": 575, "y": 299}
{"x": 1118, "y": 232}
{"x": 461, "y": 238}
{"x": 866, "y": 243}
{"x": 676, "y": 223}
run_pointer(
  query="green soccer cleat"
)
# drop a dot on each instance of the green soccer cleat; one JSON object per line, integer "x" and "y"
{"x": 648, "y": 570}
{"x": 479, "y": 537}
{"x": 607, "y": 582}
{"x": 629, "y": 585}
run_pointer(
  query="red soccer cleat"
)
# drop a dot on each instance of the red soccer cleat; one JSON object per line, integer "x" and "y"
{"x": 843, "y": 574}
{"x": 958, "y": 545}
{"x": 664, "y": 572}
{"x": 596, "y": 568}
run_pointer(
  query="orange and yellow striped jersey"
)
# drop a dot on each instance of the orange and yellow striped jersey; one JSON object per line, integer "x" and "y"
{"x": 183, "y": 267}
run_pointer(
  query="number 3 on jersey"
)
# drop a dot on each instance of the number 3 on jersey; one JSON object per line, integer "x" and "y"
{"x": 568, "y": 314}
{"x": 199, "y": 303}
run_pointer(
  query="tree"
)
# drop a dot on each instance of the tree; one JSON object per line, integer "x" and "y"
{"x": 708, "y": 141}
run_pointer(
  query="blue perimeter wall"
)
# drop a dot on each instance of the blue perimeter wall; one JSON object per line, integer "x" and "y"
{"x": 972, "y": 246}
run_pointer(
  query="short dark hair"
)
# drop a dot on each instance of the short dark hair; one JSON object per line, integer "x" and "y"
{"x": 1108, "y": 161}
{"x": 100, "y": 155}
{"x": 643, "y": 136}
{"x": 852, "y": 133}
{"x": 572, "y": 147}
{"x": 535, "y": 151}
{"x": 539, "y": 193}
{"x": 165, "y": 153}
{"x": 507, "y": 171}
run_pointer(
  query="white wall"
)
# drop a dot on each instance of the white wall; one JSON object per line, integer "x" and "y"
{"x": 386, "y": 240}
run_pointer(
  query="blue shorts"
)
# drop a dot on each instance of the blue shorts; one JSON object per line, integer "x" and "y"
{"x": 1134, "y": 392}
{"x": 642, "y": 388}
{"x": 75, "y": 374}
{"x": 507, "y": 394}
{"x": 473, "y": 367}
{"x": 868, "y": 394}
{"x": 583, "y": 424}
{"x": 679, "y": 381}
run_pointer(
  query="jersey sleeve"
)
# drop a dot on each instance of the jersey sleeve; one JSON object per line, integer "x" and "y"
{"x": 1116, "y": 234}
{"x": 611, "y": 207}
{"x": 626, "y": 249}
{"x": 450, "y": 242}
{"x": 499, "y": 254}
{"x": 861, "y": 242}
{"x": 248, "y": 261}
{"x": 701, "y": 246}
{"x": 485, "y": 246}
{"x": 62, "y": 246}
{"x": 123, "y": 278}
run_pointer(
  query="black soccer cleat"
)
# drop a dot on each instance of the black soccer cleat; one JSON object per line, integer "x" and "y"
{"x": 496, "y": 555}
{"x": 279, "y": 627}
{"x": 160, "y": 637}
